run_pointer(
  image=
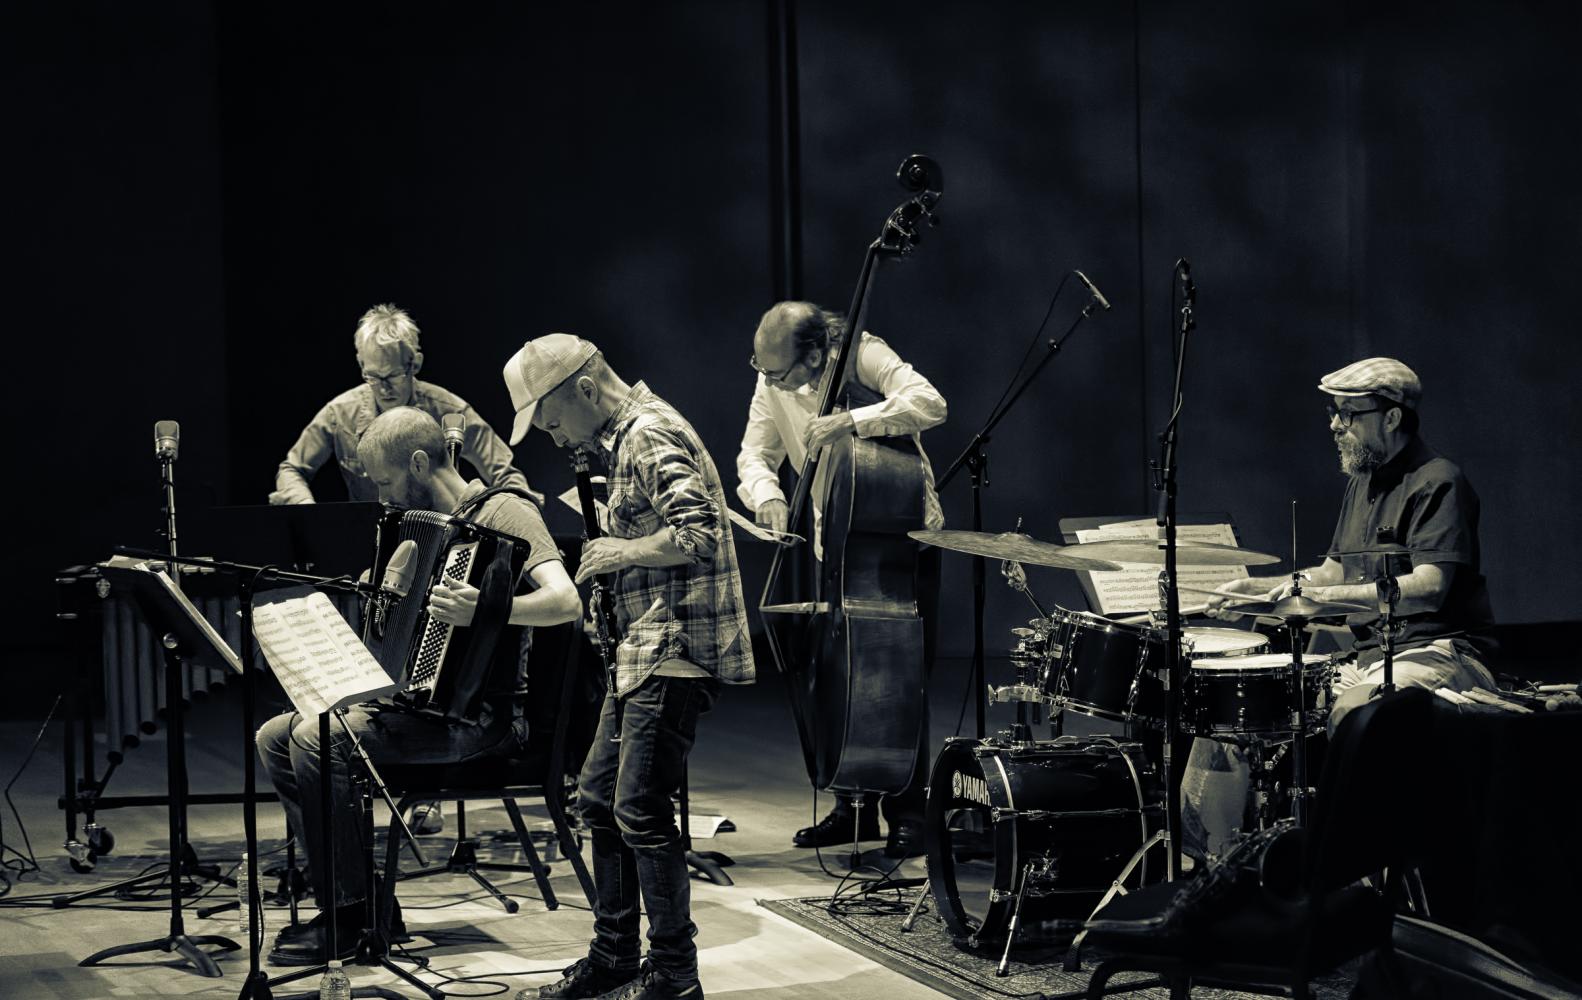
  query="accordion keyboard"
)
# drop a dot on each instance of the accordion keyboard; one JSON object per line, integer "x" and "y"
{"x": 437, "y": 634}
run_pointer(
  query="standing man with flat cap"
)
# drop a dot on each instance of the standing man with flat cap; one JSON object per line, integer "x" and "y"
{"x": 1398, "y": 491}
{"x": 671, "y": 561}
{"x": 792, "y": 352}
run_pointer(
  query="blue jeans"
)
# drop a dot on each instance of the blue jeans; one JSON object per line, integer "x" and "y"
{"x": 288, "y": 744}
{"x": 639, "y": 855}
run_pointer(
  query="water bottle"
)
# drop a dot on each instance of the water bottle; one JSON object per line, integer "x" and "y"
{"x": 244, "y": 911}
{"x": 335, "y": 985}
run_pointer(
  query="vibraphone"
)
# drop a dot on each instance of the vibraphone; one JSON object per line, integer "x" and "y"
{"x": 119, "y": 673}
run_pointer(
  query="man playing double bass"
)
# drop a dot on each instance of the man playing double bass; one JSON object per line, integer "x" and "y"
{"x": 792, "y": 352}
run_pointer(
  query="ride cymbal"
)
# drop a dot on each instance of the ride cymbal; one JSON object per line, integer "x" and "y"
{"x": 1298, "y": 606}
{"x": 1014, "y": 546}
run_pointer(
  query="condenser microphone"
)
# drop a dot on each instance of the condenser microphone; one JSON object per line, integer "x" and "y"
{"x": 397, "y": 578}
{"x": 1098, "y": 296}
{"x": 167, "y": 438}
{"x": 453, "y": 424}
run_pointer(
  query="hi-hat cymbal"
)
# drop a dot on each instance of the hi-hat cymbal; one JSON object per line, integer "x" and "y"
{"x": 1012, "y": 545}
{"x": 1143, "y": 550}
{"x": 1388, "y": 549}
{"x": 1297, "y": 606}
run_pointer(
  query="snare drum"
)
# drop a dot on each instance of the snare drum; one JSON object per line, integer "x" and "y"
{"x": 1106, "y": 669}
{"x": 1247, "y": 695}
{"x": 1199, "y": 643}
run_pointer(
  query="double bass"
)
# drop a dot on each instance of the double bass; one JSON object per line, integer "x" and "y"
{"x": 852, "y": 650}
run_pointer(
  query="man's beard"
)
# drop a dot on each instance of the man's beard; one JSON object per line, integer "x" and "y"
{"x": 419, "y": 496}
{"x": 1356, "y": 457}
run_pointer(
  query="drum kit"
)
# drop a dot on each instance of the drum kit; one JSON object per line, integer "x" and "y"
{"x": 1023, "y": 832}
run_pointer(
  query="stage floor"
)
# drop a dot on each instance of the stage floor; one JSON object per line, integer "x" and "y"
{"x": 746, "y": 766}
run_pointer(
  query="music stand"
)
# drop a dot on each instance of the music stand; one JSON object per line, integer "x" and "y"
{"x": 186, "y": 637}
{"x": 1069, "y": 526}
{"x": 326, "y": 539}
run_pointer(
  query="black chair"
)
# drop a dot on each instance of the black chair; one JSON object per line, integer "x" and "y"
{"x": 1275, "y": 933}
{"x": 566, "y": 699}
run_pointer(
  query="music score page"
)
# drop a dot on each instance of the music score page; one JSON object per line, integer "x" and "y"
{"x": 320, "y": 662}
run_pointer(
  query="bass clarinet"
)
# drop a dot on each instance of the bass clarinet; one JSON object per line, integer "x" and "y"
{"x": 603, "y": 604}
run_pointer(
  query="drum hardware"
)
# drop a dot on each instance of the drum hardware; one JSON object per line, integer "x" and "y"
{"x": 1389, "y": 591}
{"x": 1042, "y": 871}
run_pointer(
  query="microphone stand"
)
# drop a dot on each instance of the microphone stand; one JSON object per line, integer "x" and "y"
{"x": 257, "y": 985}
{"x": 1165, "y": 484}
{"x": 975, "y": 459}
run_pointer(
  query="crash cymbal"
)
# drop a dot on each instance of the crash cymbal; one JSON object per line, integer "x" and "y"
{"x": 1143, "y": 550}
{"x": 1014, "y": 546}
{"x": 1298, "y": 606}
{"x": 1390, "y": 549}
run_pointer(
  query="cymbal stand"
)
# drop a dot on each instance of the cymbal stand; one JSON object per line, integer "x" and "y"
{"x": 976, "y": 461}
{"x": 1294, "y": 626}
{"x": 1170, "y": 596}
{"x": 1389, "y": 589}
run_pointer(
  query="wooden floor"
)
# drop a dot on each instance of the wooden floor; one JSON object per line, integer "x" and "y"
{"x": 745, "y": 766}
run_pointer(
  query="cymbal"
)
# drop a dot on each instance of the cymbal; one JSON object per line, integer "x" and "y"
{"x": 1012, "y": 545}
{"x": 1389, "y": 549}
{"x": 1298, "y": 606}
{"x": 1143, "y": 550}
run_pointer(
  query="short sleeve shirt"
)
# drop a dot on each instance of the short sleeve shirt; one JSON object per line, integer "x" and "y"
{"x": 512, "y": 515}
{"x": 1427, "y": 505}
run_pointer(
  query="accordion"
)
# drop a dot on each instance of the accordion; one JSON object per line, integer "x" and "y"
{"x": 442, "y": 668}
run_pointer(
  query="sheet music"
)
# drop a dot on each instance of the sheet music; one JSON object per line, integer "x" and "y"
{"x": 1136, "y": 587}
{"x": 174, "y": 590}
{"x": 570, "y": 499}
{"x": 760, "y": 532}
{"x": 318, "y": 659}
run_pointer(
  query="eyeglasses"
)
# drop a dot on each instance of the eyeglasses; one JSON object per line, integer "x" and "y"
{"x": 387, "y": 382}
{"x": 772, "y": 376}
{"x": 1347, "y": 416}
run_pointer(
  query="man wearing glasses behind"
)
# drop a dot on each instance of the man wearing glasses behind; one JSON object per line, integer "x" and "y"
{"x": 792, "y": 348}
{"x": 389, "y": 356}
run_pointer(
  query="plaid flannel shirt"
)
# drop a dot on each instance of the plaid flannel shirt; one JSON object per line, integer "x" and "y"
{"x": 662, "y": 478}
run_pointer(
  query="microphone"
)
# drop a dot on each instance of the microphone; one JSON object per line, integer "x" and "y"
{"x": 399, "y": 570}
{"x": 1188, "y": 289}
{"x": 454, "y": 425}
{"x": 167, "y": 438}
{"x": 1093, "y": 289}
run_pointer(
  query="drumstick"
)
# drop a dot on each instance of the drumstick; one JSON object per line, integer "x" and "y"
{"x": 1216, "y": 591}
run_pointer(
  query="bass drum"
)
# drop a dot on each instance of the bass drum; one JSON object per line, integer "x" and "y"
{"x": 1064, "y": 814}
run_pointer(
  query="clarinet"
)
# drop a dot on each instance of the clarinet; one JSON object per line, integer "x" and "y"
{"x": 608, "y": 633}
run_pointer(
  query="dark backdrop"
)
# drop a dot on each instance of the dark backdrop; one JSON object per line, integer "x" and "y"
{"x": 203, "y": 199}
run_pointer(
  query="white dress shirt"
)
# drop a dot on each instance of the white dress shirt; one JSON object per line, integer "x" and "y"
{"x": 777, "y": 421}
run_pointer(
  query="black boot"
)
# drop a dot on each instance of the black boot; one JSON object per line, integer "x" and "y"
{"x": 838, "y": 828}
{"x": 905, "y": 839}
